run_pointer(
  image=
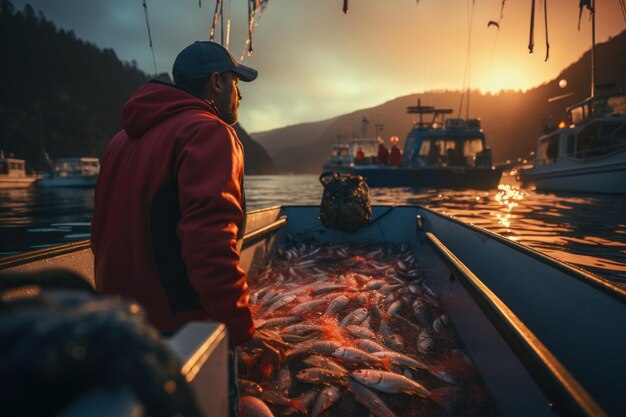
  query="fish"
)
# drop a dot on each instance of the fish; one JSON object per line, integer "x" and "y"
{"x": 326, "y": 288}
{"x": 249, "y": 387}
{"x": 279, "y": 322}
{"x": 395, "y": 307}
{"x": 389, "y": 382}
{"x": 395, "y": 342}
{"x": 324, "y": 347}
{"x": 370, "y": 400}
{"x": 283, "y": 378}
{"x": 336, "y": 305}
{"x": 355, "y": 317}
{"x": 326, "y": 398}
{"x": 400, "y": 359}
{"x": 301, "y": 329}
{"x": 281, "y": 302}
{"x": 360, "y": 331}
{"x": 369, "y": 346}
{"x": 317, "y": 361}
{"x": 308, "y": 307}
{"x": 321, "y": 376}
{"x": 425, "y": 343}
{"x": 250, "y": 406}
{"x": 353, "y": 355}
{"x": 304, "y": 401}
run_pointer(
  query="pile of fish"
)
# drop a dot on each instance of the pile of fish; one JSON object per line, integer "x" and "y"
{"x": 363, "y": 334}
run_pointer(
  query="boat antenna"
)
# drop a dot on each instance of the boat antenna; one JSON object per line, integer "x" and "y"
{"x": 593, "y": 48}
{"x": 145, "y": 10}
{"x": 468, "y": 59}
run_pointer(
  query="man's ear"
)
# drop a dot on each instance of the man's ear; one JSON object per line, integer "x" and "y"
{"x": 215, "y": 83}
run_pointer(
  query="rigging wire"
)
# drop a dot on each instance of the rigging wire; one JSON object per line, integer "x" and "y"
{"x": 254, "y": 7}
{"x": 495, "y": 39}
{"x": 145, "y": 9}
{"x": 623, "y": 7}
{"x": 468, "y": 60}
{"x": 545, "y": 14}
{"x": 531, "y": 37}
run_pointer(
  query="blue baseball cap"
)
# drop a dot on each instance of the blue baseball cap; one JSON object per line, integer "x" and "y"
{"x": 202, "y": 58}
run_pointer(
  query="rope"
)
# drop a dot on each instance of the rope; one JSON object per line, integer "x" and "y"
{"x": 495, "y": 39}
{"x": 145, "y": 9}
{"x": 216, "y": 14}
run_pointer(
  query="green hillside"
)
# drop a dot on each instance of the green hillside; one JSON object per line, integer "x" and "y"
{"x": 65, "y": 95}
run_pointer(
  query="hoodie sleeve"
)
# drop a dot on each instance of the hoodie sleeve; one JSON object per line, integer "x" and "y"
{"x": 209, "y": 170}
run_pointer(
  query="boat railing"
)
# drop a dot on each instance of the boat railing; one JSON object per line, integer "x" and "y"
{"x": 567, "y": 395}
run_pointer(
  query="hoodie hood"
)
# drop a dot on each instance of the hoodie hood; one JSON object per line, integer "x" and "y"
{"x": 155, "y": 102}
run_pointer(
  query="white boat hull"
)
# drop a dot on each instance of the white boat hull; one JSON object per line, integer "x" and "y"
{"x": 607, "y": 176}
{"x": 17, "y": 182}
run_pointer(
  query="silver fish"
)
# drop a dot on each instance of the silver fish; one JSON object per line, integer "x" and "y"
{"x": 338, "y": 304}
{"x": 280, "y": 303}
{"x": 321, "y": 376}
{"x": 355, "y": 317}
{"x": 308, "y": 307}
{"x": 389, "y": 382}
{"x": 249, "y": 387}
{"x": 326, "y": 398}
{"x": 360, "y": 331}
{"x": 279, "y": 322}
{"x": 400, "y": 359}
{"x": 425, "y": 342}
{"x": 317, "y": 347}
{"x": 326, "y": 363}
{"x": 369, "y": 346}
{"x": 370, "y": 400}
{"x": 354, "y": 355}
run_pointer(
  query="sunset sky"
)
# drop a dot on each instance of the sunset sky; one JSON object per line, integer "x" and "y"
{"x": 315, "y": 62}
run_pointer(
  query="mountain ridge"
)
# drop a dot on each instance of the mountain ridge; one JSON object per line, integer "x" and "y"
{"x": 512, "y": 120}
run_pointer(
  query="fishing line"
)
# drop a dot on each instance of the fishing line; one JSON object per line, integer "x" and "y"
{"x": 531, "y": 37}
{"x": 145, "y": 9}
{"x": 253, "y": 21}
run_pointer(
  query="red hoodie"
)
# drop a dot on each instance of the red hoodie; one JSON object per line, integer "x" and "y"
{"x": 168, "y": 213}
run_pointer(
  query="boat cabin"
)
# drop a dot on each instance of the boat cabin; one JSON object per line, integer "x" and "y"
{"x": 455, "y": 143}
{"x": 598, "y": 130}
{"x": 362, "y": 151}
{"x": 77, "y": 167}
{"x": 12, "y": 167}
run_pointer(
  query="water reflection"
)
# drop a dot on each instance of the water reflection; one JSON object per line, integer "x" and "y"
{"x": 589, "y": 231}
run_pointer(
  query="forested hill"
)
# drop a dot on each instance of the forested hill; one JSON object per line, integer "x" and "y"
{"x": 65, "y": 95}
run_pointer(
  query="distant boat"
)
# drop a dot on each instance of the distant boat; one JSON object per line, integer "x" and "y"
{"x": 73, "y": 172}
{"x": 13, "y": 174}
{"x": 438, "y": 153}
{"x": 587, "y": 156}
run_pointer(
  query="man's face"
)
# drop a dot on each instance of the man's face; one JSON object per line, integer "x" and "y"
{"x": 228, "y": 102}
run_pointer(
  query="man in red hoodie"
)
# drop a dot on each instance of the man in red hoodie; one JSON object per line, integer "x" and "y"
{"x": 169, "y": 210}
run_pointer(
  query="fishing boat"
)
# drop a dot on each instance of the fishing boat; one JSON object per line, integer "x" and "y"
{"x": 546, "y": 337}
{"x": 73, "y": 172}
{"x": 438, "y": 153}
{"x": 588, "y": 155}
{"x": 13, "y": 174}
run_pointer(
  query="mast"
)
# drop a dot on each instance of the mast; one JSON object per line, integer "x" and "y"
{"x": 593, "y": 47}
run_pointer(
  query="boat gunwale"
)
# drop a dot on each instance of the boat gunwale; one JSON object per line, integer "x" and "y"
{"x": 548, "y": 372}
{"x": 588, "y": 277}
{"x": 603, "y": 284}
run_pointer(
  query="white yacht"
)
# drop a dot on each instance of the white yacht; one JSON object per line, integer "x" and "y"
{"x": 588, "y": 155}
{"x": 13, "y": 174}
{"x": 73, "y": 172}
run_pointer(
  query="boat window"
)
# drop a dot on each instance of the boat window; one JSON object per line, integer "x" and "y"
{"x": 549, "y": 149}
{"x": 617, "y": 104}
{"x": 471, "y": 147}
{"x": 578, "y": 114}
{"x": 571, "y": 145}
{"x": 599, "y": 139}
